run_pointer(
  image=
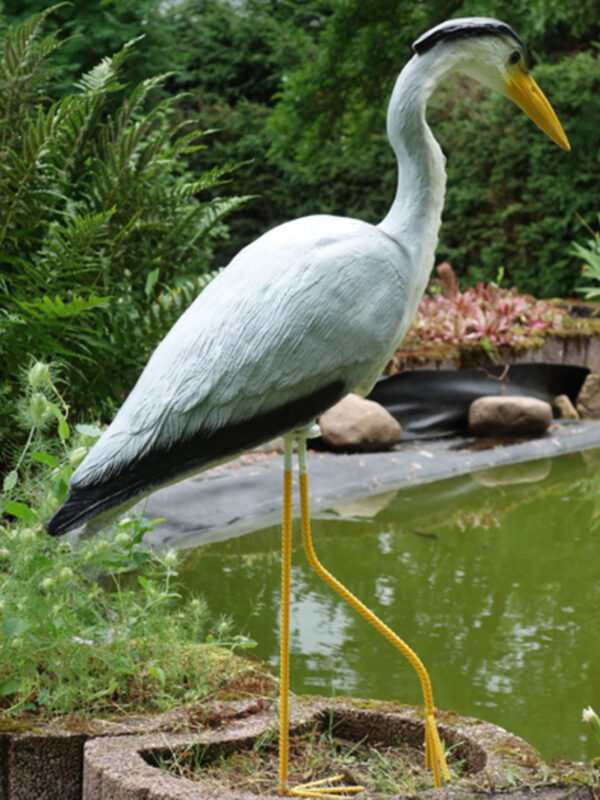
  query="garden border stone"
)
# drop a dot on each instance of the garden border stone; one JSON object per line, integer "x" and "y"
{"x": 45, "y": 762}
{"x": 499, "y": 764}
{"x": 112, "y": 760}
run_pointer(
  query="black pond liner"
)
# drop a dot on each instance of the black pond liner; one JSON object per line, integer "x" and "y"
{"x": 430, "y": 404}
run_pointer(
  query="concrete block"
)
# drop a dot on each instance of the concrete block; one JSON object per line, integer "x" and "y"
{"x": 42, "y": 766}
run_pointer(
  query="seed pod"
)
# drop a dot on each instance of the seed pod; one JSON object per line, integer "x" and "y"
{"x": 39, "y": 408}
{"x": 39, "y": 375}
{"x": 77, "y": 455}
{"x": 27, "y": 536}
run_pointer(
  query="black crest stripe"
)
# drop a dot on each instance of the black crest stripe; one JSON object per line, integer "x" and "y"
{"x": 464, "y": 30}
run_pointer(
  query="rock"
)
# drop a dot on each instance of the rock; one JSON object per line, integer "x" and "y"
{"x": 504, "y": 416}
{"x": 358, "y": 424}
{"x": 565, "y": 407}
{"x": 588, "y": 402}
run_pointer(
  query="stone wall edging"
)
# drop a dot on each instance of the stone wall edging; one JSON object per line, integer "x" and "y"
{"x": 119, "y": 768}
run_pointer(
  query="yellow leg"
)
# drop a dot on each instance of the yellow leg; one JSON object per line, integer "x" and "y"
{"x": 284, "y": 645}
{"x": 434, "y": 754}
{"x": 321, "y": 788}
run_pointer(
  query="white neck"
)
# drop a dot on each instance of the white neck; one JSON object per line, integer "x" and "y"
{"x": 415, "y": 215}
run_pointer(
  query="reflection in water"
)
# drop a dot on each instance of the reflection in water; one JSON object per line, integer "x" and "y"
{"x": 494, "y": 582}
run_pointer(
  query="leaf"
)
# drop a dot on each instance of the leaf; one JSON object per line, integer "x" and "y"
{"x": 59, "y": 309}
{"x": 60, "y": 487}
{"x": 88, "y": 430}
{"x": 8, "y": 687}
{"x": 45, "y": 458}
{"x": 63, "y": 429}
{"x": 63, "y": 426}
{"x": 20, "y": 511}
{"x": 151, "y": 281}
{"x": 10, "y": 481}
{"x": 158, "y": 673}
{"x": 14, "y": 626}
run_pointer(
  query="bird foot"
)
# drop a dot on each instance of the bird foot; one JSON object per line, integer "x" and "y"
{"x": 322, "y": 789}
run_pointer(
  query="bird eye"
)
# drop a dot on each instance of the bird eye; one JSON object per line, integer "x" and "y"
{"x": 515, "y": 57}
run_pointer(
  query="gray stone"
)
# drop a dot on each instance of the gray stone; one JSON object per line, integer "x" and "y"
{"x": 40, "y": 764}
{"x": 588, "y": 402}
{"x": 565, "y": 407}
{"x": 505, "y": 416}
{"x": 593, "y": 354}
{"x": 358, "y": 424}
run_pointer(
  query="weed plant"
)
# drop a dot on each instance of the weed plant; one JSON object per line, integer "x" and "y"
{"x": 316, "y": 754}
{"x": 96, "y": 626}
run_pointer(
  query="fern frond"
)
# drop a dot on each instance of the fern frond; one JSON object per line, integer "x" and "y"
{"x": 21, "y": 72}
{"x": 102, "y": 77}
{"x": 20, "y": 42}
{"x": 134, "y": 103}
{"x": 57, "y": 308}
{"x": 25, "y": 170}
{"x": 71, "y": 246}
{"x": 214, "y": 212}
{"x": 95, "y": 202}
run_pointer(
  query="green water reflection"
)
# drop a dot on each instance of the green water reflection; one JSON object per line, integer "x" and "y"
{"x": 493, "y": 578}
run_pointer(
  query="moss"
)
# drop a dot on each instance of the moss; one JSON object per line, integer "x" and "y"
{"x": 13, "y": 726}
{"x": 570, "y": 774}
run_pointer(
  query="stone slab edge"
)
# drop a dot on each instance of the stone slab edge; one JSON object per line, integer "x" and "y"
{"x": 46, "y": 761}
{"x": 199, "y": 510}
{"x": 118, "y": 768}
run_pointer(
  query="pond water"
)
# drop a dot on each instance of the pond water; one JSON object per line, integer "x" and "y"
{"x": 493, "y": 578}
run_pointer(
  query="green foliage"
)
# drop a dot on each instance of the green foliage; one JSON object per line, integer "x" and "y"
{"x": 237, "y": 55}
{"x": 590, "y": 255}
{"x": 340, "y": 93}
{"x": 241, "y": 51}
{"x": 103, "y": 232}
{"x": 68, "y": 643}
{"x": 91, "y": 29}
{"x": 518, "y": 193}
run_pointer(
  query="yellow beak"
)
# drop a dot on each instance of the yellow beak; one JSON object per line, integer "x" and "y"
{"x": 524, "y": 91}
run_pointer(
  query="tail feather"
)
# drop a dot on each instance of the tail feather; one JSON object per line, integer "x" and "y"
{"x": 83, "y": 504}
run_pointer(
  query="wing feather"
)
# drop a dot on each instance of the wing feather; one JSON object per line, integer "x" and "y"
{"x": 312, "y": 302}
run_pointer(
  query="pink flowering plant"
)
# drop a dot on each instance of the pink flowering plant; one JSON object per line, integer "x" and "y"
{"x": 484, "y": 314}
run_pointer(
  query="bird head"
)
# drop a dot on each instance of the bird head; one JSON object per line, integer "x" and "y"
{"x": 491, "y": 52}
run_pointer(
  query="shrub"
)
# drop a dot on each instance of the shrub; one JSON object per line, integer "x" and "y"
{"x": 104, "y": 237}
